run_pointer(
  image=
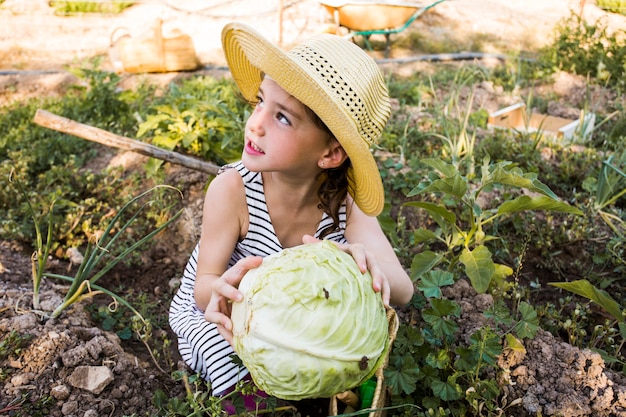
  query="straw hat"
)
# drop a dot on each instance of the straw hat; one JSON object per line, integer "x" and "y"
{"x": 333, "y": 77}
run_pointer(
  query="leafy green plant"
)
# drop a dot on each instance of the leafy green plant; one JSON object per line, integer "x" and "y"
{"x": 588, "y": 49}
{"x": 609, "y": 187}
{"x": 198, "y": 402}
{"x": 202, "y": 116}
{"x": 51, "y": 165}
{"x": 603, "y": 299}
{"x": 462, "y": 235}
{"x": 615, "y": 6}
{"x": 12, "y": 343}
{"x": 429, "y": 365}
{"x": 69, "y": 7}
{"x": 100, "y": 250}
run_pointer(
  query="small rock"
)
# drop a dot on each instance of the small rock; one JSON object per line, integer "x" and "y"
{"x": 74, "y": 356}
{"x": 91, "y": 413}
{"x": 60, "y": 392}
{"x": 50, "y": 302}
{"x": 20, "y": 380}
{"x": 69, "y": 408}
{"x": 91, "y": 378}
{"x": 24, "y": 322}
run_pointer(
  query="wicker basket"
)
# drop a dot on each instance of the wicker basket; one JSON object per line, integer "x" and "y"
{"x": 154, "y": 53}
{"x": 380, "y": 395}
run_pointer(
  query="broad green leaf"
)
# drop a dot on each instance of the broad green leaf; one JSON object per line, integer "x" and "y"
{"x": 402, "y": 379}
{"x": 152, "y": 166}
{"x": 424, "y": 262}
{"x": 466, "y": 359}
{"x": 515, "y": 177}
{"x": 456, "y": 186}
{"x": 422, "y": 235}
{"x": 164, "y": 142}
{"x": 189, "y": 138}
{"x": 438, "y": 359}
{"x": 441, "y": 327}
{"x": 502, "y": 271}
{"x": 479, "y": 267}
{"x": 584, "y": 288}
{"x": 524, "y": 203}
{"x": 152, "y": 122}
{"x": 436, "y": 316}
{"x": 529, "y": 323}
{"x": 444, "y": 307}
{"x": 487, "y": 345}
{"x": 514, "y": 343}
{"x": 447, "y": 391}
{"x": 434, "y": 210}
{"x": 500, "y": 313}
{"x": 431, "y": 283}
{"x": 446, "y": 169}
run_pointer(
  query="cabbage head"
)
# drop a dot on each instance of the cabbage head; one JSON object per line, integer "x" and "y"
{"x": 310, "y": 324}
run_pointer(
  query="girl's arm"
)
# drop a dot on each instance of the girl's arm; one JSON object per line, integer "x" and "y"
{"x": 372, "y": 251}
{"x": 222, "y": 222}
{"x": 224, "y": 218}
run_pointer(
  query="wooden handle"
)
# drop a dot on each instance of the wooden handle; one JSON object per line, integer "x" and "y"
{"x": 62, "y": 124}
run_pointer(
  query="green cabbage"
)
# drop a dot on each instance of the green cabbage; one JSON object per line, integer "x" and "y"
{"x": 310, "y": 324}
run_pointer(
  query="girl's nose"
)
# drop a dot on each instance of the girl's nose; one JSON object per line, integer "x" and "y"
{"x": 256, "y": 121}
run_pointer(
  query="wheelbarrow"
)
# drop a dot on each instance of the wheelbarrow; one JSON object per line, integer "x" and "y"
{"x": 375, "y": 17}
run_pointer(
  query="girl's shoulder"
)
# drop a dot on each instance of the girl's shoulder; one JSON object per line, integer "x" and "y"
{"x": 228, "y": 180}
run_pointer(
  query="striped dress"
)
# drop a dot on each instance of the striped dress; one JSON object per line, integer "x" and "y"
{"x": 199, "y": 343}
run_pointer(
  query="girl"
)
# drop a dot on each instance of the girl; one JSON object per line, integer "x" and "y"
{"x": 306, "y": 173}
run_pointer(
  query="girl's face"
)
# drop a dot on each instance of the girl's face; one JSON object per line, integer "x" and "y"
{"x": 280, "y": 134}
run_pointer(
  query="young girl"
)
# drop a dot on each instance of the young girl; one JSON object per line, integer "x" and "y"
{"x": 306, "y": 173}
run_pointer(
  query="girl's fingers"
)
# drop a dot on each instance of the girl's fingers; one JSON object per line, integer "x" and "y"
{"x": 361, "y": 257}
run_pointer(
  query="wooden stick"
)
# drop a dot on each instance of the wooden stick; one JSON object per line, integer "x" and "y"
{"x": 62, "y": 124}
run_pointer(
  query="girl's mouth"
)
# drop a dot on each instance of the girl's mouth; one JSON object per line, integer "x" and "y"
{"x": 251, "y": 148}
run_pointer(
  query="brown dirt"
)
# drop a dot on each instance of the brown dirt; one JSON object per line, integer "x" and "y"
{"x": 550, "y": 378}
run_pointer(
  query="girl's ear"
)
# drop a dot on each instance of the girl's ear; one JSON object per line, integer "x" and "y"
{"x": 334, "y": 157}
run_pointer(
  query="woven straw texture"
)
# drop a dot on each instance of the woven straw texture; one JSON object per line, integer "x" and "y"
{"x": 156, "y": 53}
{"x": 333, "y": 77}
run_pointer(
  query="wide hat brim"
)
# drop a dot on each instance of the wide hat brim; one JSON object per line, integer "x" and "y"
{"x": 354, "y": 110}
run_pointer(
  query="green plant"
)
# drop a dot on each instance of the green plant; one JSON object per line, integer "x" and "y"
{"x": 52, "y": 167}
{"x": 608, "y": 188}
{"x": 202, "y": 116}
{"x": 588, "y": 49}
{"x": 615, "y": 6}
{"x": 600, "y": 297}
{"x": 100, "y": 250}
{"x": 69, "y": 7}
{"x": 462, "y": 235}
{"x": 13, "y": 343}
{"x": 198, "y": 402}
{"x": 431, "y": 367}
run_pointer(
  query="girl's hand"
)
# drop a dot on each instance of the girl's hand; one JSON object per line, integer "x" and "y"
{"x": 365, "y": 260}
{"x": 224, "y": 292}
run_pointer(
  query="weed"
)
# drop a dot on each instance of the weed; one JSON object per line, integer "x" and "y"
{"x": 13, "y": 343}
{"x": 68, "y": 7}
{"x": 588, "y": 49}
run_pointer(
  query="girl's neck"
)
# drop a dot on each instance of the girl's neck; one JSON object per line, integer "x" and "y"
{"x": 297, "y": 192}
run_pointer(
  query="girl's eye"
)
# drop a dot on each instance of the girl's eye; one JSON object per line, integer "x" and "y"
{"x": 283, "y": 119}
{"x": 259, "y": 101}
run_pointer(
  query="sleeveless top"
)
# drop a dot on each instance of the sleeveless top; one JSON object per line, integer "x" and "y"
{"x": 199, "y": 343}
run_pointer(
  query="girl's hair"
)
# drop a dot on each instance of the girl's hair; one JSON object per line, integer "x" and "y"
{"x": 334, "y": 188}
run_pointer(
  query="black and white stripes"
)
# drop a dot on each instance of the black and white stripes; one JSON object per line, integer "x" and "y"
{"x": 199, "y": 343}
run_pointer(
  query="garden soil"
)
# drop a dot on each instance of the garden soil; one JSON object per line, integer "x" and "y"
{"x": 71, "y": 367}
